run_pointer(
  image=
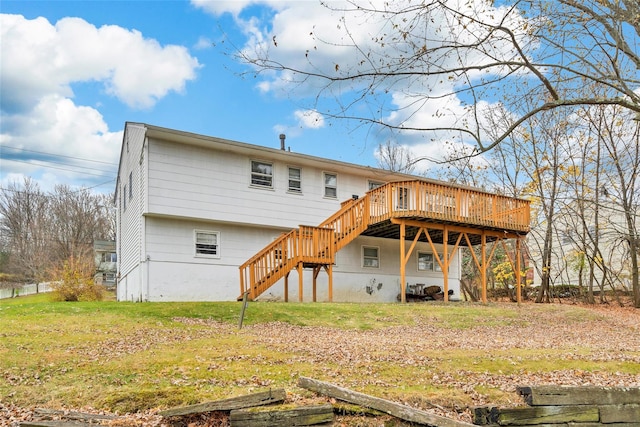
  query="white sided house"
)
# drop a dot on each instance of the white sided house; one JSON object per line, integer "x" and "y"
{"x": 206, "y": 219}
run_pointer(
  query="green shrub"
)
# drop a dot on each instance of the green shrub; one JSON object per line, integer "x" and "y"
{"x": 74, "y": 282}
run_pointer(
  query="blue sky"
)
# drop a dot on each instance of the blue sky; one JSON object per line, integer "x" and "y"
{"x": 73, "y": 72}
{"x": 69, "y": 129}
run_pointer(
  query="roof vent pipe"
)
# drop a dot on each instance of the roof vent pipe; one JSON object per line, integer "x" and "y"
{"x": 282, "y": 138}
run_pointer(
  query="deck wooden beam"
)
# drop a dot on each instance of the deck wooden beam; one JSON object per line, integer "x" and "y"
{"x": 455, "y": 228}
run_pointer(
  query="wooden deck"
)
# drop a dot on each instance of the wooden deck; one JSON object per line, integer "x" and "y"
{"x": 415, "y": 210}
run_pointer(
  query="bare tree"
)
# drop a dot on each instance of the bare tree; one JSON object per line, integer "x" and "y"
{"x": 619, "y": 138}
{"x": 24, "y": 223}
{"x": 458, "y": 57}
{"x": 79, "y": 217}
{"x": 40, "y": 232}
{"x": 395, "y": 157}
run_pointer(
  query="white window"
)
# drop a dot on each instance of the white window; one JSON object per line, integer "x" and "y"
{"x": 425, "y": 261}
{"x": 130, "y": 185}
{"x": 375, "y": 184}
{"x": 370, "y": 256}
{"x": 428, "y": 262}
{"x": 207, "y": 243}
{"x": 403, "y": 198}
{"x": 261, "y": 174}
{"x": 108, "y": 257}
{"x": 330, "y": 185}
{"x": 295, "y": 180}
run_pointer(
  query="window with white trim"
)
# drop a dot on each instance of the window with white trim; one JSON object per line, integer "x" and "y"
{"x": 403, "y": 198}
{"x": 375, "y": 184}
{"x": 207, "y": 243}
{"x": 371, "y": 256}
{"x": 428, "y": 262}
{"x": 330, "y": 185}
{"x": 130, "y": 185}
{"x": 295, "y": 180}
{"x": 261, "y": 174}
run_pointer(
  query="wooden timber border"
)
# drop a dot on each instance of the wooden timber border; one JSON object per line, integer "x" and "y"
{"x": 582, "y": 406}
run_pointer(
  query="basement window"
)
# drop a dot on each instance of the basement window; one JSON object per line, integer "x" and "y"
{"x": 427, "y": 262}
{"x": 207, "y": 243}
{"x": 261, "y": 174}
{"x": 371, "y": 257}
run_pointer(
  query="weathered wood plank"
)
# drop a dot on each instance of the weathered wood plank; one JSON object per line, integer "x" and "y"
{"x": 597, "y": 425}
{"x": 620, "y": 414}
{"x": 48, "y": 414}
{"x": 239, "y": 402}
{"x": 548, "y": 414}
{"x": 268, "y": 417}
{"x": 589, "y": 395}
{"x": 56, "y": 424}
{"x": 397, "y": 410}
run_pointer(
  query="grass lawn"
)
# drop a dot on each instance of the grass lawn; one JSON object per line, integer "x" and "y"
{"x": 130, "y": 357}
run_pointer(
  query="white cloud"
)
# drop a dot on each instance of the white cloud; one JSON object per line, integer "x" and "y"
{"x": 304, "y": 119}
{"x": 41, "y": 62}
{"x": 323, "y": 39}
{"x": 309, "y": 119}
{"x": 80, "y": 145}
{"x": 41, "y": 59}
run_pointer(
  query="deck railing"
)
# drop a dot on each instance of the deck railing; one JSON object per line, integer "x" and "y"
{"x": 424, "y": 200}
{"x": 312, "y": 245}
{"x": 443, "y": 203}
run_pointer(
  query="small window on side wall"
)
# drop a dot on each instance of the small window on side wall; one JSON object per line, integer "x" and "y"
{"x": 295, "y": 180}
{"x": 370, "y": 257}
{"x": 330, "y": 185}
{"x": 261, "y": 174}
{"x": 207, "y": 244}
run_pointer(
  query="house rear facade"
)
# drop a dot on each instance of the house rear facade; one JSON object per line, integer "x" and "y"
{"x": 191, "y": 209}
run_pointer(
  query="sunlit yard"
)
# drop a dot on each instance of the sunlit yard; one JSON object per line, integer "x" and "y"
{"x": 128, "y": 357}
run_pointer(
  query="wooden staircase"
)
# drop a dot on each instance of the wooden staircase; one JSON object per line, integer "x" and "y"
{"x": 309, "y": 246}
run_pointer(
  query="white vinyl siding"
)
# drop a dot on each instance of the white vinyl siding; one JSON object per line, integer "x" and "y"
{"x": 261, "y": 174}
{"x": 330, "y": 185}
{"x": 207, "y": 243}
{"x": 371, "y": 256}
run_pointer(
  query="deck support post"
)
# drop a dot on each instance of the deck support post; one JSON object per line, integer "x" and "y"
{"x": 445, "y": 261}
{"x": 286, "y": 287}
{"x": 483, "y": 270}
{"x": 403, "y": 290}
{"x": 316, "y": 271}
{"x": 518, "y": 268}
{"x": 329, "y": 269}
{"x": 300, "y": 279}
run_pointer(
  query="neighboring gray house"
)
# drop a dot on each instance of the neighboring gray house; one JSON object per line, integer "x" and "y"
{"x": 106, "y": 262}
